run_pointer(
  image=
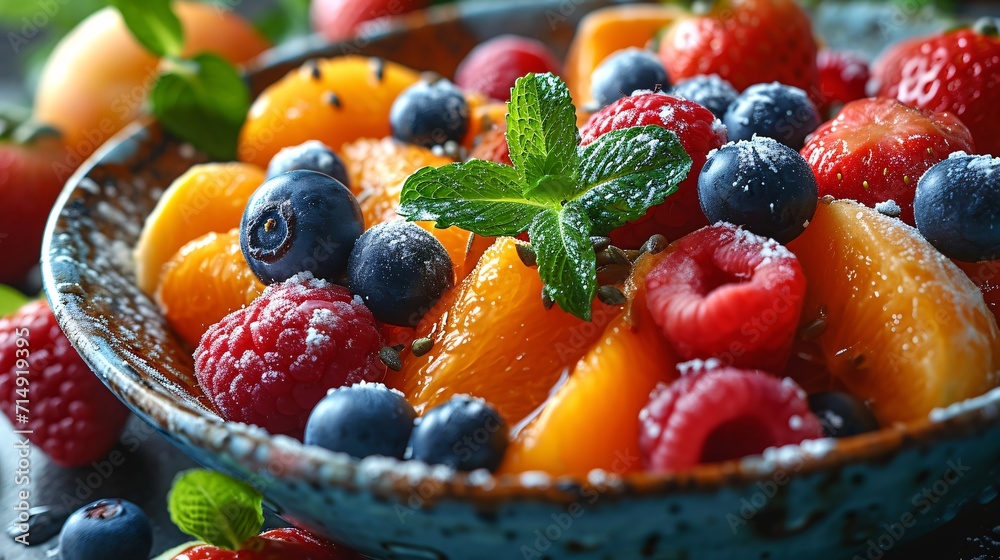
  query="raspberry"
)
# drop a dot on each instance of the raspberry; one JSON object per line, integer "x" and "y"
{"x": 843, "y": 77}
{"x": 699, "y": 132}
{"x": 493, "y": 66}
{"x": 726, "y": 293}
{"x": 270, "y": 363}
{"x": 722, "y": 414}
{"x": 73, "y": 417}
{"x": 276, "y": 544}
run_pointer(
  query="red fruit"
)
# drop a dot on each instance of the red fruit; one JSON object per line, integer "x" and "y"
{"x": 338, "y": 20}
{"x": 746, "y": 42}
{"x": 31, "y": 176}
{"x": 843, "y": 76}
{"x": 958, "y": 72}
{"x": 277, "y": 544}
{"x": 492, "y": 146}
{"x": 876, "y": 149}
{"x": 722, "y": 414}
{"x": 726, "y": 293}
{"x": 71, "y": 415}
{"x": 699, "y": 133}
{"x": 269, "y": 363}
{"x": 986, "y": 275}
{"x": 493, "y": 66}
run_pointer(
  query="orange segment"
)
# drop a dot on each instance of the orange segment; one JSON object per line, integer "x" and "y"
{"x": 497, "y": 341}
{"x": 484, "y": 114}
{"x": 378, "y": 169}
{"x": 592, "y": 421}
{"x": 209, "y": 197}
{"x": 906, "y": 329}
{"x": 205, "y": 281}
{"x": 607, "y": 30}
{"x": 335, "y": 100}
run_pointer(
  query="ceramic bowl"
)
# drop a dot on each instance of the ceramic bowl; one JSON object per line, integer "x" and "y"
{"x": 820, "y": 500}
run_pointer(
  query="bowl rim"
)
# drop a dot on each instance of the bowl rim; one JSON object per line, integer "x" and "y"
{"x": 392, "y": 478}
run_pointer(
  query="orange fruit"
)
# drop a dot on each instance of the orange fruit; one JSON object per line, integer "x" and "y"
{"x": 495, "y": 340}
{"x": 205, "y": 281}
{"x": 378, "y": 169}
{"x": 592, "y": 421}
{"x": 336, "y": 100}
{"x": 484, "y": 114}
{"x": 97, "y": 79}
{"x": 207, "y": 198}
{"x": 606, "y": 31}
{"x": 906, "y": 330}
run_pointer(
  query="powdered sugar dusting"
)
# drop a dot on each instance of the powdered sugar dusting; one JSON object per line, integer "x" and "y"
{"x": 696, "y": 365}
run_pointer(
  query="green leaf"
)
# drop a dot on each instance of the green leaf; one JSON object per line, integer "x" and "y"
{"x": 479, "y": 196}
{"x": 11, "y": 300}
{"x": 204, "y": 101}
{"x": 154, "y": 24}
{"x": 625, "y": 172}
{"x": 542, "y": 135}
{"x": 215, "y": 508}
{"x": 566, "y": 260}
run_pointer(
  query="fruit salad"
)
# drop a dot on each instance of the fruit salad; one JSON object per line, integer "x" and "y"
{"x": 697, "y": 236}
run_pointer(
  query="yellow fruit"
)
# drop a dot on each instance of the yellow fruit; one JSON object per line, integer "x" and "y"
{"x": 905, "y": 328}
{"x": 207, "y": 198}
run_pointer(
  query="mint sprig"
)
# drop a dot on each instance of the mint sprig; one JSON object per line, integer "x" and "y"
{"x": 203, "y": 99}
{"x": 214, "y": 508}
{"x": 557, "y": 191}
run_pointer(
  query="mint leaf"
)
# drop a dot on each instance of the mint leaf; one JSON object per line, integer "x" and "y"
{"x": 215, "y": 508}
{"x": 566, "y": 260}
{"x": 542, "y": 136}
{"x": 480, "y": 196}
{"x": 203, "y": 100}
{"x": 11, "y": 300}
{"x": 154, "y": 24}
{"x": 627, "y": 171}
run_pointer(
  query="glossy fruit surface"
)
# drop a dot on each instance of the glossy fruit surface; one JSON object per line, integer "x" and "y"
{"x": 492, "y": 67}
{"x": 905, "y": 330}
{"x": 205, "y": 281}
{"x": 464, "y": 433}
{"x": 875, "y": 150}
{"x": 106, "y": 529}
{"x": 841, "y": 414}
{"x": 333, "y": 100}
{"x": 276, "y": 544}
{"x": 843, "y": 76}
{"x": 774, "y": 110}
{"x": 362, "y": 420}
{"x": 338, "y": 20}
{"x": 711, "y": 92}
{"x": 300, "y": 221}
{"x": 624, "y": 72}
{"x": 207, "y": 198}
{"x": 760, "y": 184}
{"x": 430, "y": 114}
{"x": 312, "y": 155}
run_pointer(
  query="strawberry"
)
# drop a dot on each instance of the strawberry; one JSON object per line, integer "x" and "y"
{"x": 720, "y": 414}
{"x": 745, "y": 42}
{"x": 728, "y": 294}
{"x": 339, "y": 20}
{"x": 276, "y": 544}
{"x": 699, "y": 132}
{"x": 843, "y": 77}
{"x": 876, "y": 150}
{"x": 957, "y": 71}
{"x": 31, "y": 176}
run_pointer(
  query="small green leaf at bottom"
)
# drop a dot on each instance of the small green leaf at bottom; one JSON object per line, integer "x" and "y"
{"x": 215, "y": 508}
{"x": 204, "y": 101}
{"x": 566, "y": 260}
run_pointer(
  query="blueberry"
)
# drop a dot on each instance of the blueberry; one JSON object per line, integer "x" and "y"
{"x": 429, "y": 114}
{"x": 300, "y": 221}
{"x": 106, "y": 529}
{"x": 711, "y": 92}
{"x": 761, "y": 184}
{"x": 775, "y": 110}
{"x": 842, "y": 415}
{"x": 362, "y": 420}
{"x": 957, "y": 207}
{"x": 464, "y": 433}
{"x": 309, "y": 156}
{"x": 400, "y": 271}
{"x": 624, "y": 72}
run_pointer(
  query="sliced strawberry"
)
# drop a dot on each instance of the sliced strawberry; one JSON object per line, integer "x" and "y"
{"x": 876, "y": 150}
{"x": 726, "y": 293}
{"x": 956, "y": 71}
{"x": 722, "y": 414}
{"x": 699, "y": 132}
{"x": 746, "y": 42}
{"x": 843, "y": 76}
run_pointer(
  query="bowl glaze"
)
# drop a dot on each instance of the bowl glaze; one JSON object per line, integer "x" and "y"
{"x": 860, "y": 497}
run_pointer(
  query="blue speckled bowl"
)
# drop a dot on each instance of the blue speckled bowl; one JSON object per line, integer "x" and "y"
{"x": 818, "y": 501}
